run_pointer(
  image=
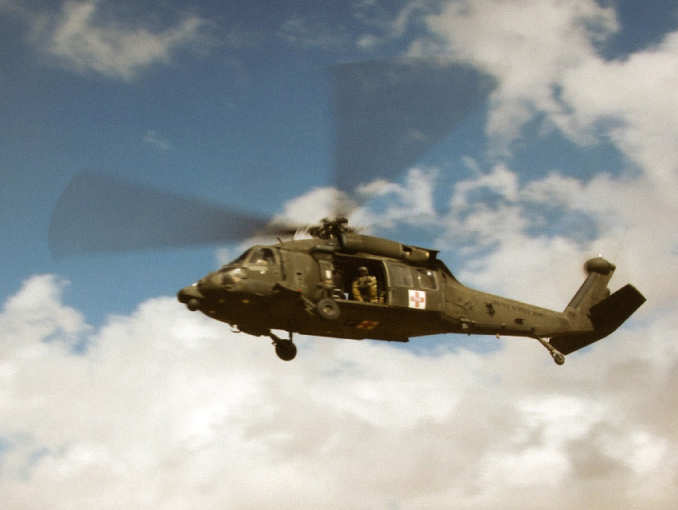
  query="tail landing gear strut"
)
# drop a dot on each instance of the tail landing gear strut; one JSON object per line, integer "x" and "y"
{"x": 285, "y": 349}
{"x": 557, "y": 356}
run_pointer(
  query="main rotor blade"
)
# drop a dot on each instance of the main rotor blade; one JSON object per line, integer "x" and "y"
{"x": 391, "y": 112}
{"x": 97, "y": 213}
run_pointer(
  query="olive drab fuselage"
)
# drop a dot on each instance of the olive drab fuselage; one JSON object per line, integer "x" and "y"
{"x": 306, "y": 286}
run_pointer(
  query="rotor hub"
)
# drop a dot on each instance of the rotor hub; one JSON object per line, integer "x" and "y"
{"x": 330, "y": 228}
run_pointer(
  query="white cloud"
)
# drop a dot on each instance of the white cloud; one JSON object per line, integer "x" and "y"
{"x": 157, "y": 140}
{"x": 35, "y": 312}
{"x": 313, "y": 206}
{"x": 83, "y": 39}
{"x": 168, "y": 409}
{"x": 313, "y": 33}
{"x": 544, "y": 54}
{"x": 382, "y": 26}
{"x": 638, "y": 99}
{"x": 527, "y": 44}
{"x": 387, "y": 203}
{"x": 529, "y": 240}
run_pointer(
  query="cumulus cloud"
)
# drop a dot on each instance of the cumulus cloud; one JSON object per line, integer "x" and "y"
{"x": 81, "y": 38}
{"x": 636, "y": 100}
{"x": 529, "y": 240}
{"x": 545, "y": 56}
{"x": 551, "y": 67}
{"x": 168, "y": 409}
{"x": 310, "y": 208}
{"x": 386, "y": 204}
{"x": 527, "y": 44}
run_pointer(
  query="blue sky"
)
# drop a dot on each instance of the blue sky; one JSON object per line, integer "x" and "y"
{"x": 573, "y": 153}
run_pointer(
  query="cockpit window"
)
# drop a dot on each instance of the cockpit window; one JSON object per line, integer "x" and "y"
{"x": 401, "y": 276}
{"x": 427, "y": 279}
{"x": 238, "y": 260}
{"x": 262, "y": 256}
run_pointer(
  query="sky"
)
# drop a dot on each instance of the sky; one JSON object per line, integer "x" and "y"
{"x": 113, "y": 395}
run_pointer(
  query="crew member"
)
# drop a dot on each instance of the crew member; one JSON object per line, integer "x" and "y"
{"x": 365, "y": 286}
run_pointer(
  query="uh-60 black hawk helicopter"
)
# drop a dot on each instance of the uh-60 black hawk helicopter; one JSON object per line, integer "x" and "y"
{"x": 388, "y": 113}
{"x": 304, "y": 286}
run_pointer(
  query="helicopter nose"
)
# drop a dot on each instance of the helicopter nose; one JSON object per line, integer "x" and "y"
{"x": 218, "y": 283}
{"x": 229, "y": 279}
{"x": 191, "y": 297}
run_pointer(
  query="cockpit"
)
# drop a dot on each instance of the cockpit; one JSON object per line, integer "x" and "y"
{"x": 259, "y": 256}
{"x": 256, "y": 264}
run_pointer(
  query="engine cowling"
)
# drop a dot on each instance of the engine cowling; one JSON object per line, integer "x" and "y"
{"x": 369, "y": 245}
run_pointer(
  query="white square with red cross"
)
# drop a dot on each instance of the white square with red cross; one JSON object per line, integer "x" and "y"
{"x": 417, "y": 299}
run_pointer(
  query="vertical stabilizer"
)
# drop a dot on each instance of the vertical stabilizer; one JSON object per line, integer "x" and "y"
{"x": 593, "y": 311}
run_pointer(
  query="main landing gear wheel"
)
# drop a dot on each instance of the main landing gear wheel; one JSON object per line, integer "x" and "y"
{"x": 327, "y": 309}
{"x": 285, "y": 349}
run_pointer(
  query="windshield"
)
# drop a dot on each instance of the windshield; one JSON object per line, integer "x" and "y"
{"x": 262, "y": 256}
{"x": 238, "y": 260}
{"x": 259, "y": 255}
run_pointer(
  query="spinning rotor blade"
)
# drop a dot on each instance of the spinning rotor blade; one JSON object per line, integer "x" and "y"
{"x": 391, "y": 112}
{"x": 98, "y": 213}
{"x": 388, "y": 114}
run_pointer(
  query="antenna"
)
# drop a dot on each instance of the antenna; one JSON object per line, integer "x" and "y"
{"x": 614, "y": 260}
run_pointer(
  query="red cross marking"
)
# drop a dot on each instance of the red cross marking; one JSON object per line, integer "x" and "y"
{"x": 417, "y": 299}
{"x": 367, "y": 324}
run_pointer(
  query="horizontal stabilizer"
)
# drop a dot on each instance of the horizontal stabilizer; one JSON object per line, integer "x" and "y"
{"x": 606, "y": 316}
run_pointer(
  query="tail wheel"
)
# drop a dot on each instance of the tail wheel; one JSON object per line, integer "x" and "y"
{"x": 327, "y": 309}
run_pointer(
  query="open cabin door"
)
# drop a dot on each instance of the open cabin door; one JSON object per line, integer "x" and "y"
{"x": 346, "y": 271}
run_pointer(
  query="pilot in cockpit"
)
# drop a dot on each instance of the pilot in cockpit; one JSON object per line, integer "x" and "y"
{"x": 263, "y": 257}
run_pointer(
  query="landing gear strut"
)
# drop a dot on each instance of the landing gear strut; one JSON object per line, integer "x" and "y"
{"x": 285, "y": 349}
{"x": 557, "y": 356}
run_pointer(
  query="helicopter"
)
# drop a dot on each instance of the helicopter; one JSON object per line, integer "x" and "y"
{"x": 388, "y": 113}
{"x": 304, "y": 286}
